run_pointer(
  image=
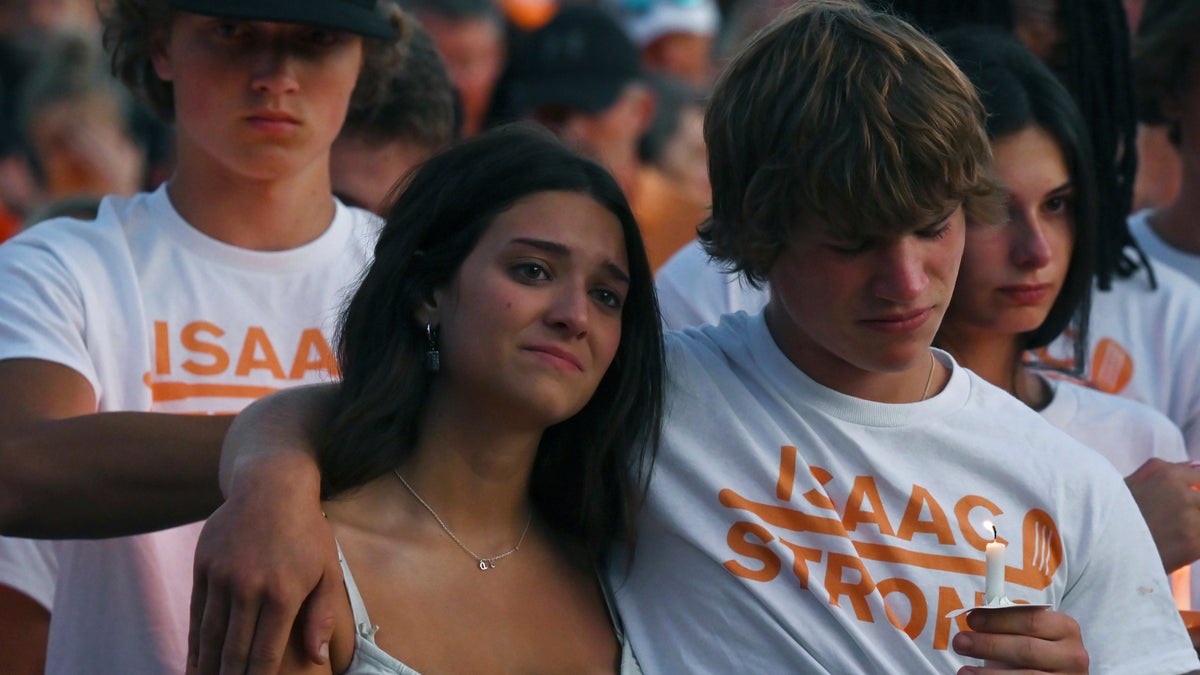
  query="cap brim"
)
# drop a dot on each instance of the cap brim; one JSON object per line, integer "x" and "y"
{"x": 591, "y": 95}
{"x": 347, "y": 16}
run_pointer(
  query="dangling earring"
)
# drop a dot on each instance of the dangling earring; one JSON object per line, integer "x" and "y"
{"x": 433, "y": 358}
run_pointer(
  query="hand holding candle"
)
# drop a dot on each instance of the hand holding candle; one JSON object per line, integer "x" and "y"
{"x": 994, "y": 585}
{"x": 995, "y": 594}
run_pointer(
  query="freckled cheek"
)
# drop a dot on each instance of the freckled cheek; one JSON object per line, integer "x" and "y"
{"x": 497, "y": 308}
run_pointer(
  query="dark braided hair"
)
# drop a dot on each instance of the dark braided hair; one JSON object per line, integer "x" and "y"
{"x": 1099, "y": 75}
{"x": 1094, "y": 65}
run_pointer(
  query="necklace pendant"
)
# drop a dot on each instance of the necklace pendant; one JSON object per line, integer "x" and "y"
{"x": 483, "y": 565}
{"x": 492, "y": 564}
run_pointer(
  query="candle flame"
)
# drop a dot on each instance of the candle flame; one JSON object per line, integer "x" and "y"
{"x": 987, "y": 524}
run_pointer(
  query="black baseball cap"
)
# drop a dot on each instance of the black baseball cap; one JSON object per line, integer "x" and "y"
{"x": 363, "y": 17}
{"x": 581, "y": 59}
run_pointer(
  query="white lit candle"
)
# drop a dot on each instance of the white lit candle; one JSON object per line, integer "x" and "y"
{"x": 994, "y": 585}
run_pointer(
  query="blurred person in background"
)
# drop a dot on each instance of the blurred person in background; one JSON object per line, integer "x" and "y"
{"x": 471, "y": 37}
{"x": 13, "y": 168}
{"x": 673, "y": 194}
{"x": 1167, "y": 74}
{"x": 76, "y": 120}
{"x": 378, "y": 145}
{"x": 527, "y": 15}
{"x": 580, "y": 76}
{"x": 62, "y": 119}
{"x": 33, "y": 18}
{"x": 675, "y": 36}
{"x": 1158, "y": 174}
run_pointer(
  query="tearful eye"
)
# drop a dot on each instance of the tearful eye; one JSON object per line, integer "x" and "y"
{"x": 530, "y": 272}
{"x": 608, "y": 298}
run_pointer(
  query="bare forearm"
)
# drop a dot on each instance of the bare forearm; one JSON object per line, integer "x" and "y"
{"x": 278, "y": 431}
{"x": 109, "y": 474}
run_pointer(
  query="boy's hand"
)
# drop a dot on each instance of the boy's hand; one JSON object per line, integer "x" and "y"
{"x": 1030, "y": 639}
{"x": 1165, "y": 493}
{"x": 267, "y": 555}
{"x": 263, "y": 560}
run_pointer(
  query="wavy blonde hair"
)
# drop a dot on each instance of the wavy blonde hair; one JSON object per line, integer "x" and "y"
{"x": 846, "y": 114}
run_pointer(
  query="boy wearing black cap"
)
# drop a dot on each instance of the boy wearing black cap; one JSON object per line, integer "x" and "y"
{"x": 195, "y": 298}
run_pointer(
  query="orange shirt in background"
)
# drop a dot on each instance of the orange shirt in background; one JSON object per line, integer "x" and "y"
{"x": 667, "y": 217}
{"x": 9, "y": 224}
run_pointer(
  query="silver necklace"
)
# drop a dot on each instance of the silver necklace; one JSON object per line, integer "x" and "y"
{"x": 928, "y": 378}
{"x": 485, "y": 564}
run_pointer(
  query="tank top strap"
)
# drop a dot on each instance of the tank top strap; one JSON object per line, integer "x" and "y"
{"x": 629, "y": 663}
{"x": 610, "y": 603}
{"x": 362, "y": 621}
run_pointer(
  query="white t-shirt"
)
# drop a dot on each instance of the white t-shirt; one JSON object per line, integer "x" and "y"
{"x": 1156, "y": 248}
{"x": 791, "y": 528}
{"x": 1124, "y": 431}
{"x": 159, "y": 317}
{"x": 694, "y": 291}
{"x": 1127, "y": 433}
{"x": 1142, "y": 344}
{"x": 29, "y": 566}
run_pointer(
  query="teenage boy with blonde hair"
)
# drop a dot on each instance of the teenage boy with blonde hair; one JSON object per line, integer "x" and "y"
{"x": 196, "y": 298}
{"x": 825, "y": 476}
{"x": 821, "y": 499}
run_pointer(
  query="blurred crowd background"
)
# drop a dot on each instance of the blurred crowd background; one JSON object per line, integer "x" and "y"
{"x": 622, "y": 81}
